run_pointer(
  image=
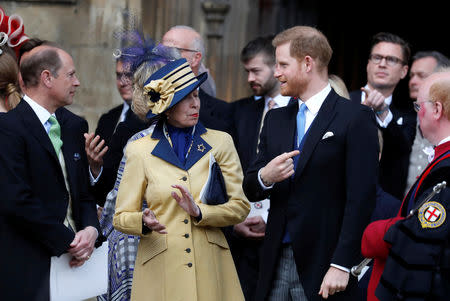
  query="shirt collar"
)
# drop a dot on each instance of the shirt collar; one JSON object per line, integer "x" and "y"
{"x": 387, "y": 100}
{"x": 39, "y": 110}
{"x": 444, "y": 140}
{"x": 280, "y": 100}
{"x": 126, "y": 106}
{"x": 315, "y": 102}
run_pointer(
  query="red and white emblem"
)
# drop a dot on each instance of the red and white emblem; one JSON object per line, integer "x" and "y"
{"x": 432, "y": 215}
{"x": 258, "y": 205}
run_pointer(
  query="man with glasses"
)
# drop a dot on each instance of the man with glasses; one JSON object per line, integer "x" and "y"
{"x": 411, "y": 251}
{"x": 424, "y": 63}
{"x": 97, "y": 144}
{"x": 214, "y": 113}
{"x": 387, "y": 65}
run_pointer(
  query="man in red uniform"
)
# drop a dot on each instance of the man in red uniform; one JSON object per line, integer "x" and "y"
{"x": 412, "y": 253}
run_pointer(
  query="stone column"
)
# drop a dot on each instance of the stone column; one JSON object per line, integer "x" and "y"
{"x": 215, "y": 13}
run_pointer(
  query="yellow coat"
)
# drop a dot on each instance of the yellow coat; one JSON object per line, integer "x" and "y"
{"x": 192, "y": 261}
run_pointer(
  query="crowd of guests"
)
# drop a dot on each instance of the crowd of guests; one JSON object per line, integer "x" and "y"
{"x": 276, "y": 196}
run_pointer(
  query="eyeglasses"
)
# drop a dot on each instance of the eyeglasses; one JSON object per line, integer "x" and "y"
{"x": 416, "y": 104}
{"x": 390, "y": 60}
{"x": 124, "y": 75}
{"x": 185, "y": 49}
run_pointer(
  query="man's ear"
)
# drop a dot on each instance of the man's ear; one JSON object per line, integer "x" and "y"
{"x": 308, "y": 61}
{"x": 46, "y": 78}
{"x": 197, "y": 60}
{"x": 404, "y": 71}
{"x": 438, "y": 110}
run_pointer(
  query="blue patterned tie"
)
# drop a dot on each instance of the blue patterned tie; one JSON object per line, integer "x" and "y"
{"x": 55, "y": 134}
{"x": 301, "y": 123}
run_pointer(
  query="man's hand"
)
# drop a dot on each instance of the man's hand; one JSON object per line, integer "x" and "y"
{"x": 82, "y": 246}
{"x": 252, "y": 228}
{"x": 375, "y": 100}
{"x": 279, "y": 169}
{"x": 186, "y": 201}
{"x": 95, "y": 150}
{"x": 335, "y": 280}
{"x": 150, "y": 220}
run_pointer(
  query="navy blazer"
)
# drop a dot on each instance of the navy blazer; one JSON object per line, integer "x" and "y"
{"x": 34, "y": 199}
{"x": 111, "y": 161}
{"x": 215, "y": 113}
{"x": 398, "y": 138}
{"x": 328, "y": 202}
{"x": 108, "y": 122}
{"x": 247, "y": 115}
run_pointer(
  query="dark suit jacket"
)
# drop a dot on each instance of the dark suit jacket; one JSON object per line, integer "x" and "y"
{"x": 328, "y": 202}
{"x": 397, "y": 145}
{"x": 111, "y": 160}
{"x": 247, "y": 114}
{"x": 108, "y": 122}
{"x": 34, "y": 199}
{"x": 215, "y": 113}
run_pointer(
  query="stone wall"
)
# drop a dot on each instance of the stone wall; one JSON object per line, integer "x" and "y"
{"x": 86, "y": 29}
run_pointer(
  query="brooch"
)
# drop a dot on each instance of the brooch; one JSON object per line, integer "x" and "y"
{"x": 201, "y": 148}
{"x": 432, "y": 215}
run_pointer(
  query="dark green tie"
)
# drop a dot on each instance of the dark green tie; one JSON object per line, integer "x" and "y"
{"x": 55, "y": 134}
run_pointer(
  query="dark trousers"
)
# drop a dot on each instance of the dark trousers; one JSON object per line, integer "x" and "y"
{"x": 246, "y": 255}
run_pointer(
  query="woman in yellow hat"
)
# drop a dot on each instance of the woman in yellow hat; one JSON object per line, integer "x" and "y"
{"x": 182, "y": 253}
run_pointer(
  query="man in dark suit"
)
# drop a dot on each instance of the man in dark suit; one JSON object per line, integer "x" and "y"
{"x": 258, "y": 58}
{"x": 45, "y": 208}
{"x": 108, "y": 122}
{"x": 102, "y": 166}
{"x": 318, "y": 162}
{"x": 214, "y": 113}
{"x": 387, "y": 65}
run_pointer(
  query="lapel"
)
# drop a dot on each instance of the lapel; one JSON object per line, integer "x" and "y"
{"x": 256, "y": 110}
{"x": 35, "y": 128}
{"x": 288, "y": 124}
{"x": 68, "y": 146}
{"x": 164, "y": 150}
{"x": 316, "y": 130}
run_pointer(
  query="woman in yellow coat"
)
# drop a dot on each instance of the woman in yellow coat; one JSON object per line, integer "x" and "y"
{"x": 182, "y": 254}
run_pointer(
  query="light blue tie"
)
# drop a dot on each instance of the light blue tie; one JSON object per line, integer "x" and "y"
{"x": 301, "y": 123}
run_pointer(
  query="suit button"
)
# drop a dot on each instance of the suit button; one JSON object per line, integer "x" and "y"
{"x": 188, "y": 250}
{"x": 184, "y": 178}
{"x": 186, "y": 235}
{"x": 189, "y": 264}
{"x": 185, "y": 221}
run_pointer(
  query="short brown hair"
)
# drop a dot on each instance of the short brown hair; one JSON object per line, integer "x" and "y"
{"x": 31, "y": 67}
{"x": 306, "y": 40}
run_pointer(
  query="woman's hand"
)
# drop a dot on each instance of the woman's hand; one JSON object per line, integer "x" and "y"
{"x": 149, "y": 219}
{"x": 186, "y": 201}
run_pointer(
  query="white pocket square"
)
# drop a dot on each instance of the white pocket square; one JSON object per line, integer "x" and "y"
{"x": 400, "y": 121}
{"x": 327, "y": 135}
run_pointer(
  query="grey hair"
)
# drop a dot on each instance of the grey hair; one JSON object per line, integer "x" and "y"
{"x": 197, "y": 43}
{"x": 441, "y": 60}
